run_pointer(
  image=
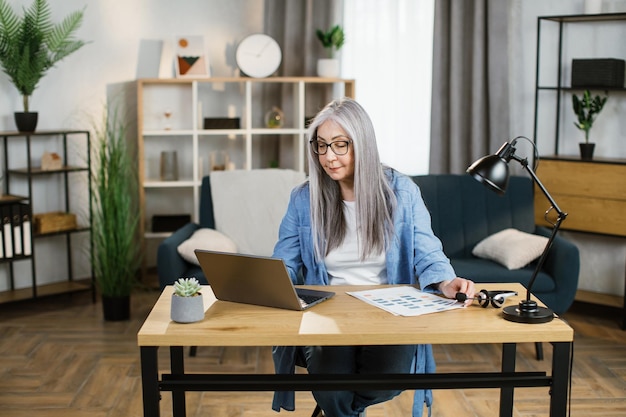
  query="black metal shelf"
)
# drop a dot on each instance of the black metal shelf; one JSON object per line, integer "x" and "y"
{"x": 11, "y": 199}
{"x": 31, "y": 174}
{"x": 39, "y": 171}
{"x": 61, "y": 232}
{"x": 555, "y": 88}
{"x": 560, "y": 87}
{"x": 586, "y": 18}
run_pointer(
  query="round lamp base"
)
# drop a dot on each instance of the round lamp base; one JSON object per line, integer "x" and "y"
{"x": 528, "y": 312}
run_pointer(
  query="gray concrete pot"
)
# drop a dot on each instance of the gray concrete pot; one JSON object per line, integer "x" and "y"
{"x": 186, "y": 309}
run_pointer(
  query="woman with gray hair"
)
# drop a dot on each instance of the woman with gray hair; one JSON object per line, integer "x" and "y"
{"x": 357, "y": 222}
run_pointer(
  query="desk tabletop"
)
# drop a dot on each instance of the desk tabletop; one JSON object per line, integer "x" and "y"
{"x": 342, "y": 320}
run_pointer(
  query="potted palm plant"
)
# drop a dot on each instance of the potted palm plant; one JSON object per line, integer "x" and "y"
{"x": 115, "y": 252}
{"x": 332, "y": 40}
{"x": 30, "y": 46}
{"x": 587, "y": 108}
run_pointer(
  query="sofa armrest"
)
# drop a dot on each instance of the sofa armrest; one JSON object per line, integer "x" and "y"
{"x": 169, "y": 262}
{"x": 563, "y": 264}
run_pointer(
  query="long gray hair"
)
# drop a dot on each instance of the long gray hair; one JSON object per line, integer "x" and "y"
{"x": 375, "y": 200}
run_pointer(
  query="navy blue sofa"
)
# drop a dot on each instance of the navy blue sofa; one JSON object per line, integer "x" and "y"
{"x": 464, "y": 212}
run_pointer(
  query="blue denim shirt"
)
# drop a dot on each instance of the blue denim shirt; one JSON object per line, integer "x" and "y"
{"x": 414, "y": 256}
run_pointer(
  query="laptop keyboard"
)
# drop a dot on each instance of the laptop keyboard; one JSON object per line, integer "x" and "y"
{"x": 307, "y": 299}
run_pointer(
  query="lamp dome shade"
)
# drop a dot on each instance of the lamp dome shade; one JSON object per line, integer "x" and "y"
{"x": 491, "y": 170}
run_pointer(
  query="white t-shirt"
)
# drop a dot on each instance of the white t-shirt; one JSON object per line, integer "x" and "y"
{"x": 344, "y": 263}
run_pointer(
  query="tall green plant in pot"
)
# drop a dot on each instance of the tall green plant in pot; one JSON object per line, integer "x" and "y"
{"x": 115, "y": 218}
{"x": 32, "y": 44}
{"x": 587, "y": 108}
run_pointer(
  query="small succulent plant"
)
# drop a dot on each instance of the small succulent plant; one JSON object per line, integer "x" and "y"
{"x": 187, "y": 287}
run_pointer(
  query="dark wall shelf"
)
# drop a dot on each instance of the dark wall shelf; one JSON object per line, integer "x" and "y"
{"x": 67, "y": 139}
{"x": 582, "y": 88}
{"x": 602, "y": 17}
{"x": 594, "y": 188}
{"x": 561, "y": 86}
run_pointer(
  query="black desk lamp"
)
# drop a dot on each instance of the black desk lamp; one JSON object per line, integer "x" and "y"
{"x": 493, "y": 171}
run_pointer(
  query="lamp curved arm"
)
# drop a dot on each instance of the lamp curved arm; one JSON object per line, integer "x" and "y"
{"x": 524, "y": 163}
{"x": 555, "y": 226}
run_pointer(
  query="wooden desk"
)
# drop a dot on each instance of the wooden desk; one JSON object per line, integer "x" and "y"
{"x": 345, "y": 320}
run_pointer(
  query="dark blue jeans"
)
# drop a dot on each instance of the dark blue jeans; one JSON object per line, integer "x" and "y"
{"x": 356, "y": 360}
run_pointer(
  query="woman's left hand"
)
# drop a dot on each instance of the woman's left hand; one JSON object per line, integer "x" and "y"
{"x": 450, "y": 288}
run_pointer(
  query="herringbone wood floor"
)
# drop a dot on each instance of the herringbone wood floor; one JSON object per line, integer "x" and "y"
{"x": 58, "y": 358}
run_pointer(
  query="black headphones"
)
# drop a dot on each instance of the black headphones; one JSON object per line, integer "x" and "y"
{"x": 496, "y": 298}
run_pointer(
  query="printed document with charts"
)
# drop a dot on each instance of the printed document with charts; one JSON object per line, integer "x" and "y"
{"x": 406, "y": 300}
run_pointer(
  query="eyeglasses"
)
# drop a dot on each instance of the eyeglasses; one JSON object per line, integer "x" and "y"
{"x": 339, "y": 147}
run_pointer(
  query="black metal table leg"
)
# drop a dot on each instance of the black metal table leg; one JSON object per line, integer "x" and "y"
{"x": 561, "y": 362}
{"x": 508, "y": 365}
{"x": 150, "y": 381}
{"x": 177, "y": 364}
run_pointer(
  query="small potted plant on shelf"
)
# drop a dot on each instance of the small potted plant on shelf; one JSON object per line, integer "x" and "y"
{"x": 187, "y": 305}
{"x": 30, "y": 46}
{"x": 332, "y": 41}
{"x": 587, "y": 108}
{"x": 115, "y": 252}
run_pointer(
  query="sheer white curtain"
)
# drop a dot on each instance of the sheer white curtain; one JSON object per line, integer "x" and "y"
{"x": 388, "y": 51}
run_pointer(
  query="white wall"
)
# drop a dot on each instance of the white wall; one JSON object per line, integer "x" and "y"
{"x": 602, "y": 258}
{"x": 73, "y": 94}
{"x": 76, "y": 87}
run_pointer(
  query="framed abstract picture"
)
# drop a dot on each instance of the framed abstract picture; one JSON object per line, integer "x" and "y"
{"x": 190, "y": 58}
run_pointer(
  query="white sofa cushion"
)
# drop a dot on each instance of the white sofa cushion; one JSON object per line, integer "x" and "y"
{"x": 511, "y": 247}
{"x": 208, "y": 239}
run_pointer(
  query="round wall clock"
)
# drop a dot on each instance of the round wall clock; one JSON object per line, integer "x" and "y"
{"x": 258, "y": 55}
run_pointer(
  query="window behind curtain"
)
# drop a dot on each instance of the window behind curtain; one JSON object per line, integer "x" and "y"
{"x": 388, "y": 51}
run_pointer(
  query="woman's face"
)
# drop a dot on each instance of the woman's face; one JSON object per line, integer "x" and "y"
{"x": 338, "y": 167}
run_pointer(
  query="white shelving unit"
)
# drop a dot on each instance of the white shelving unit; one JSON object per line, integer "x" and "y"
{"x": 188, "y": 102}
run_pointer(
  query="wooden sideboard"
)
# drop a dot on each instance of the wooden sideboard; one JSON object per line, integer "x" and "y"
{"x": 596, "y": 189}
{"x": 594, "y": 192}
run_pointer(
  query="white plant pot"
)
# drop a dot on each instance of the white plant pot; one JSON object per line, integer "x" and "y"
{"x": 186, "y": 309}
{"x": 593, "y": 6}
{"x": 328, "y": 68}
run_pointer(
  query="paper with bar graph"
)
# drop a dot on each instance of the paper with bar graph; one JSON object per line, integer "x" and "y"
{"x": 406, "y": 300}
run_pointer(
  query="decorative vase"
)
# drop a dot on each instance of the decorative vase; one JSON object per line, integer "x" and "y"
{"x": 586, "y": 151}
{"x": 26, "y": 122}
{"x": 274, "y": 118}
{"x": 169, "y": 166}
{"x": 186, "y": 309}
{"x": 116, "y": 308}
{"x": 328, "y": 68}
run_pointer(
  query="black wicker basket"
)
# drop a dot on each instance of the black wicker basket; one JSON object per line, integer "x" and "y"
{"x": 603, "y": 72}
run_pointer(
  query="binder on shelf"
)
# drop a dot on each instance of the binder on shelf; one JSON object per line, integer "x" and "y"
{"x": 7, "y": 232}
{"x": 15, "y": 230}
{"x": 16, "y": 224}
{"x": 26, "y": 229}
{"x": 1, "y": 240}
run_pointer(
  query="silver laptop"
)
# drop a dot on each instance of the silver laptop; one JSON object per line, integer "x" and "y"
{"x": 255, "y": 280}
